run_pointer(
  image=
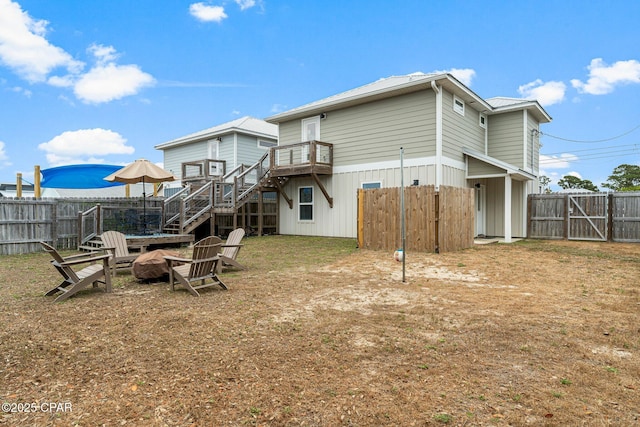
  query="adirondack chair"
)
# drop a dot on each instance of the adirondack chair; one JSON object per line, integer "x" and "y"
{"x": 76, "y": 280}
{"x": 231, "y": 249}
{"x": 116, "y": 242}
{"x": 195, "y": 273}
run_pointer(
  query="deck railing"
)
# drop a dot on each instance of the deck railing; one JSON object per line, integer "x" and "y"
{"x": 303, "y": 157}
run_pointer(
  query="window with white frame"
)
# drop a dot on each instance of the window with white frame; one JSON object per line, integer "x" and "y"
{"x": 305, "y": 203}
{"x": 266, "y": 144}
{"x": 371, "y": 184}
{"x": 458, "y": 105}
{"x": 482, "y": 121}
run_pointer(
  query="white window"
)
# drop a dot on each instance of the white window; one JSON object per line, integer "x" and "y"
{"x": 311, "y": 129}
{"x": 305, "y": 203}
{"x": 482, "y": 121}
{"x": 266, "y": 144}
{"x": 372, "y": 184}
{"x": 458, "y": 105}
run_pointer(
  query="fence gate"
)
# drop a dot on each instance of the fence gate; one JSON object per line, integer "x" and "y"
{"x": 588, "y": 217}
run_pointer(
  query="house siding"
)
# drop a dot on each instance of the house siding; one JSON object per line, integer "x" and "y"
{"x": 226, "y": 151}
{"x": 375, "y": 132}
{"x": 533, "y": 145}
{"x": 506, "y": 138}
{"x": 341, "y": 220}
{"x": 460, "y": 131}
{"x": 479, "y": 168}
{"x": 495, "y": 208}
{"x": 248, "y": 150}
{"x": 174, "y": 157}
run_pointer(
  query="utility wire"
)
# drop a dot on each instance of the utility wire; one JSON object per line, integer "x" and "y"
{"x": 593, "y": 149}
{"x": 590, "y": 141}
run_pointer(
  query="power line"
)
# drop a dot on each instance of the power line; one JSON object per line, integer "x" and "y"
{"x": 590, "y": 141}
{"x": 585, "y": 159}
{"x": 593, "y": 149}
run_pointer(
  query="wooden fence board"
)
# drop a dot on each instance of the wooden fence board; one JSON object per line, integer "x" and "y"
{"x": 549, "y": 217}
{"x": 434, "y": 221}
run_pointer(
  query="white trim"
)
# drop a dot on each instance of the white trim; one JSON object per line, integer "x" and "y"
{"x": 303, "y": 134}
{"x": 525, "y": 163}
{"x": 312, "y": 204}
{"x": 439, "y": 149}
{"x": 379, "y": 182}
{"x": 235, "y": 151}
{"x": 482, "y": 123}
{"x": 507, "y": 208}
{"x": 458, "y": 105}
{"x": 271, "y": 144}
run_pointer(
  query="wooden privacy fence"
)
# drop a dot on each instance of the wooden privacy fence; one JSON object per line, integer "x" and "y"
{"x": 25, "y": 222}
{"x": 435, "y": 221}
{"x": 595, "y": 216}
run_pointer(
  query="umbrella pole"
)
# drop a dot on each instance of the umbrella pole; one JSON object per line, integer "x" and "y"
{"x": 144, "y": 209}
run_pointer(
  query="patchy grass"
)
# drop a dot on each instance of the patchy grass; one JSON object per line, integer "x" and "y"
{"x": 316, "y": 332}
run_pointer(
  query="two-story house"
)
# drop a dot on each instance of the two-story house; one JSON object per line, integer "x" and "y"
{"x": 450, "y": 136}
{"x": 241, "y": 141}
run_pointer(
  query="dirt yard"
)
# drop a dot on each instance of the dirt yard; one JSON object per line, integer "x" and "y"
{"x": 318, "y": 333}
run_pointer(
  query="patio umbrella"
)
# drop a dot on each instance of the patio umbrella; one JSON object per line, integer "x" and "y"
{"x": 143, "y": 171}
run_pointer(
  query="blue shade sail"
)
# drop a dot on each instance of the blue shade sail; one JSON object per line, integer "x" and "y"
{"x": 79, "y": 176}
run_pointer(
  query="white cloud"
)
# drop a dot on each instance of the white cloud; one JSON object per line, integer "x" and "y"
{"x": 105, "y": 83}
{"x": 278, "y": 108}
{"x": 548, "y": 93}
{"x": 465, "y": 75}
{"x": 24, "y": 48}
{"x": 557, "y": 162}
{"x": 4, "y": 159}
{"x": 245, "y": 4}
{"x": 604, "y": 78}
{"x": 84, "y": 146}
{"x": 205, "y": 13}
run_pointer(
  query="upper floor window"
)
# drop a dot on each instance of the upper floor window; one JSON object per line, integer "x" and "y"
{"x": 458, "y": 105}
{"x": 267, "y": 144}
{"x": 311, "y": 129}
{"x": 482, "y": 121}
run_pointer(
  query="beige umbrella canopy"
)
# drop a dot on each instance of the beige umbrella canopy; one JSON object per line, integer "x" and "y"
{"x": 143, "y": 171}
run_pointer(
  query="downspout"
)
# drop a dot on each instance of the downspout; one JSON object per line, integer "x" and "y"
{"x": 438, "y": 92}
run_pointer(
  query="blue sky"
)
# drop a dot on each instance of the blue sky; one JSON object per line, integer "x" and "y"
{"x": 88, "y": 81}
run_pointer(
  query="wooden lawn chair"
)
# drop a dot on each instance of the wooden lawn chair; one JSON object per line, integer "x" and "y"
{"x": 116, "y": 242}
{"x": 199, "y": 269}
{"x": 76, "y": 280}
{"x": 231, "y": 249}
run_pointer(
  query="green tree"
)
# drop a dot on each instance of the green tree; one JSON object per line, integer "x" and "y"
{"x": 624, "y": 178}
{"x": 570, "y": 181}
{"x": 544, "y": 182}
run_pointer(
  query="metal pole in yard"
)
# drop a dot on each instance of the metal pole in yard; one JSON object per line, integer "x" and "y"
{"x": 402, "y": 214}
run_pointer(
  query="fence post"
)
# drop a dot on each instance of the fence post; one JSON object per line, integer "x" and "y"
{"x": 610, "y": 217}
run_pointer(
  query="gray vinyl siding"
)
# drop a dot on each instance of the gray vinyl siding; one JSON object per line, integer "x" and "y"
{"x": 375, "y": 131}
{"x": 533, "y": 143}
{"x": 174, "y": 157}
{"x": 341, "y": 220}
{"x": 248, "y": 150}
{"x": 480, "y": 168}
{"x": 459, "y": 131}
{"x": 506, "y": 138}
{"x": 226, "y": 152}
{"x": 495, "y": 208}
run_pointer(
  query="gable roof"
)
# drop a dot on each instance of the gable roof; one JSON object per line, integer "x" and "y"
{"x": 397, "y": 85}
{"x": 245, "y": 125}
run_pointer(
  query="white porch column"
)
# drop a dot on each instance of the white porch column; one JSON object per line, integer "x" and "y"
{"x": 507, "y": 208}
